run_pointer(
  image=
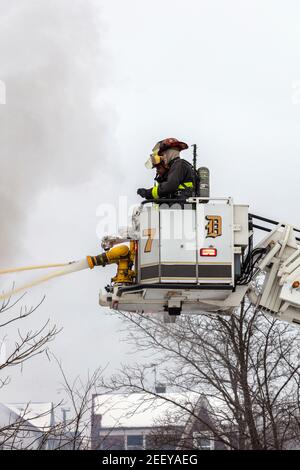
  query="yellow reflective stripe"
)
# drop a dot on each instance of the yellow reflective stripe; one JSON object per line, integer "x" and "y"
{"x": 186, "y": 185}
{"x": 155, "y": 192}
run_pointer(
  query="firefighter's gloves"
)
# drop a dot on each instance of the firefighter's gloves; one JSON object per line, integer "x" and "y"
{"x": 142, "y": 192}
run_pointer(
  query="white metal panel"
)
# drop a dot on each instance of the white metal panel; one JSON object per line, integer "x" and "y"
{"x": 149, "y": 245}
{"x": 215, "y": 229}
{"x": 178, "y": 245}
{"x": 241, "y": 222}
{"x": 177, "y": 236}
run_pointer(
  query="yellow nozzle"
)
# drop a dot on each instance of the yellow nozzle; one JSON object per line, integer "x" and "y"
{"x": 90, "y": 262}
{"x": 112, "y": 256}
{"x": 100, "y": 260}
{"x": 123, "y": 256}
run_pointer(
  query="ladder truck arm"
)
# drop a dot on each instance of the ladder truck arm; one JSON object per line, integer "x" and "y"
{"x": 273, "y": 269}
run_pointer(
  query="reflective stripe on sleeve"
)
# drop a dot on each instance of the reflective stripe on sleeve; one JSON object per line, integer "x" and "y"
{"x": 189, "y": 184}
{"x": 155, "y": 192}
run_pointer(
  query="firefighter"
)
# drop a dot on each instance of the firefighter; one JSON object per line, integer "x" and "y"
{"x": 175, "y": 177}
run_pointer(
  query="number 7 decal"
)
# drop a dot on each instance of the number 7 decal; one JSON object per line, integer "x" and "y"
{"x": 150, "y": 233}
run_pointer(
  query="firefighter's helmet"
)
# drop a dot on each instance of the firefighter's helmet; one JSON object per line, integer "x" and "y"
{"x": 161, "y": 147}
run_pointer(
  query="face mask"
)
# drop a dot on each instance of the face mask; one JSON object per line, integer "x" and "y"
{"x": 152, "y": 161}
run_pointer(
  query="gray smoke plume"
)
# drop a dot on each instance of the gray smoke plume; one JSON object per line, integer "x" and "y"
{"x": 52, "y": 131}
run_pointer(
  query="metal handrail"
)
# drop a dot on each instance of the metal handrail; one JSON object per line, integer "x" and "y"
{"x": 269, "y": 221}
{"x": 189, "y": 200}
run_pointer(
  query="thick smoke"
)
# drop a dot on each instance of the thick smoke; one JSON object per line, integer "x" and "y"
{"x": 52, "y": 132}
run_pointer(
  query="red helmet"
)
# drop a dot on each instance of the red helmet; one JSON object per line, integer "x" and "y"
{"x": 159, "y": 149}
{"x": 170, "y": 143}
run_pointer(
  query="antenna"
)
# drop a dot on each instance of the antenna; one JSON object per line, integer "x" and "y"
{"x": 155, "y": 373}
{"x": 64, "y": 414}
{"x": 194, "y": 156}
{"x": 158, "y": 387}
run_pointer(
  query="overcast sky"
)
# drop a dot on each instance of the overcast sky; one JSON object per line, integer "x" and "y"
{"x": 98, "y": 83}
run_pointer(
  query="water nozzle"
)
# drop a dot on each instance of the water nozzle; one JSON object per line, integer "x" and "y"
{"x": 99, "y": 260}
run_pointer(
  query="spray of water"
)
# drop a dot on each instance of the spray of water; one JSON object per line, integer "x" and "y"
{"x": 31, "y": 268}
{"x": 70, "y": 268}
{"x": 52, "y": 125}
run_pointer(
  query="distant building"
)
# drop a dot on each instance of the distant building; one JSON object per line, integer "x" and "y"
{"x": 26, "y": 426}
{"x": 142, "y": 421}
{"x": 35, "y": 426}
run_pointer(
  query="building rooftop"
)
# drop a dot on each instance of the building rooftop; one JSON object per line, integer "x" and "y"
{"x": 38, "y": 415}
{"x": 143, "y": 410}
